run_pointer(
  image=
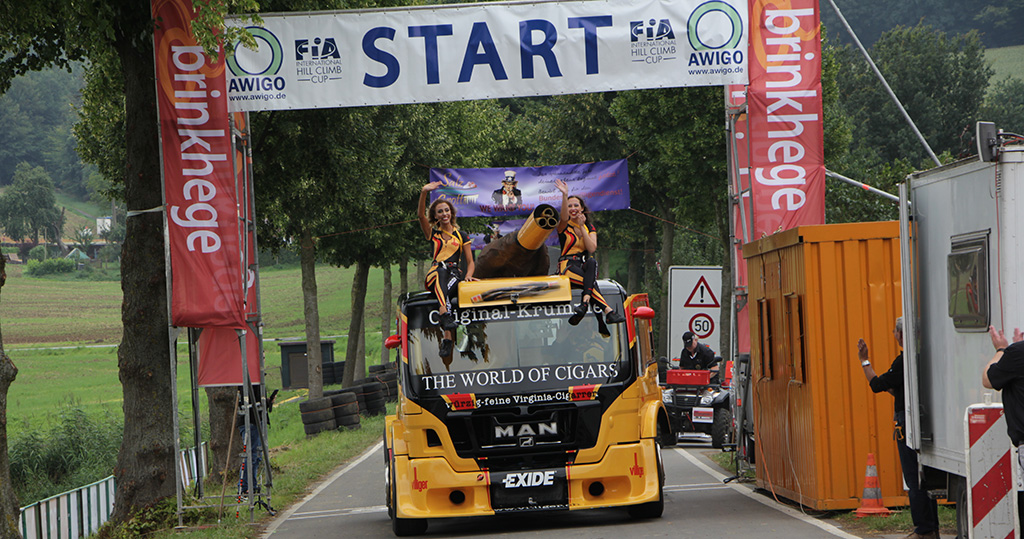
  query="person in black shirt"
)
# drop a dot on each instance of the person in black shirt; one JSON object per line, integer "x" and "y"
{"x": 923, "y": 509}
{"x": 1005, "y": 372}
{"x": 695, "y": 355}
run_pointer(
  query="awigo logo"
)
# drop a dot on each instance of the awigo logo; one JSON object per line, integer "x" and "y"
{"x": 257, "y": 70}
{"x": 714, "y": 31}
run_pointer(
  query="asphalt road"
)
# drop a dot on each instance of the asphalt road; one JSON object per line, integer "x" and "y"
{"x": 697, "y": 504}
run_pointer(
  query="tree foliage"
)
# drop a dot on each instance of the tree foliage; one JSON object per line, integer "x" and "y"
{"x": 28, "y": 208}
{"x": 940, "y": 80}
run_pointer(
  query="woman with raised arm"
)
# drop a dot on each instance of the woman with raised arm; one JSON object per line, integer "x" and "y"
{"x": 578, "y": 238}
{"x": 449, "y": 246}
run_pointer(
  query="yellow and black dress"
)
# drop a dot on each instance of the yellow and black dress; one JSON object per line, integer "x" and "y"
{"x": 579, "y": 265}
{"x": 445, "y": 274}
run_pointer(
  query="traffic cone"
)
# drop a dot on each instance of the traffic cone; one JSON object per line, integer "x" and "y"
{"x": 871, "y": 502}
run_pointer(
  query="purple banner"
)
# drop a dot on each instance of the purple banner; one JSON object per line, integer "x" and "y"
{"x": 502, "y": 192}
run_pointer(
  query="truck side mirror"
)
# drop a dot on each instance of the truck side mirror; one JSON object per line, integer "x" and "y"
{"x": 643, "y": 313}
{"x": 392, "y": 342}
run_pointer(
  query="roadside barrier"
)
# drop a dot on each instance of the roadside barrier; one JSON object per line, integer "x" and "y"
{"x": 871, "y": 502}
{"x": 81, "y": 512}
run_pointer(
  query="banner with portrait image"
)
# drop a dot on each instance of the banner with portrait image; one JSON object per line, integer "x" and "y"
{"x": 512, "y": 191}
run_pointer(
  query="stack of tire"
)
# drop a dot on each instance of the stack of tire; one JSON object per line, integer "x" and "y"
{"x": 346, "y": 410}
{"x": 317, "y": 415}
{"x": 370, "y": 396}
{"x": 387, "y": 375}
{"x": 332, "y": 372}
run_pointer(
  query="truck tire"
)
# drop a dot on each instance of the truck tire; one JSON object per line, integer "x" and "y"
{"x": 720, "y": 428}
{"x": 963, "y": 521}
{"x": 656, "y": 508}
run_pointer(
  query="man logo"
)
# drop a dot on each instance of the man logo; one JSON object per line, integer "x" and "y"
{"x": 525, "y": 429}
{"x": 651, "y": 31}
{"x": 320, "y": 50}
{"x": 264, "y": 61}
{"x": 709, "y": 33}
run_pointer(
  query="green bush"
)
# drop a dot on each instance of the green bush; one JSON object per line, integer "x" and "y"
{"x": 43, "y": 252}
{"x": 78, "y": 450}
{"x": 50, "y": 266}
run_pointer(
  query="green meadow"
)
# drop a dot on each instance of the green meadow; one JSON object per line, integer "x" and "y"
{"x": 62, "y": 335}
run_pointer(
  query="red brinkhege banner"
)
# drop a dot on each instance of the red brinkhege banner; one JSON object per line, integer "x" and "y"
{"x": 787, "y": 161}
{"x": 199, "y": 188}
{"x": 220, "y": 358}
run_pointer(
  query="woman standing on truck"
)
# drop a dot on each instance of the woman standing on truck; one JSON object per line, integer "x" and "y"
{"x": 449, "y": 246}
{"x": 578, "y": 238}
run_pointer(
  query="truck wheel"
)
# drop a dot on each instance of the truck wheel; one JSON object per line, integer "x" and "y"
{"x": 963, "y": 522}
{"x": 656, "y": 508}
{"x": 720, "y": 428}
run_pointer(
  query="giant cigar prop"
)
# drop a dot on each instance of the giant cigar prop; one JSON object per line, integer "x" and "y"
{"x": 521, "y": 254}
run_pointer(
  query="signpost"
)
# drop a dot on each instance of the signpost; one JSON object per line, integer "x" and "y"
{"x": 693, "y": 306}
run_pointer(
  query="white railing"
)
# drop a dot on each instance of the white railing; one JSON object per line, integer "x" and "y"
{"x": 81, "y": 512}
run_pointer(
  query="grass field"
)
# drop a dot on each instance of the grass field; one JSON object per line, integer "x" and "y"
{"x": 1006, "y": 61}
{"x": 62, "y": 335}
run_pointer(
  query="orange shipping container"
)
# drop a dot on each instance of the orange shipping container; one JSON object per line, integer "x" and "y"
{"x": 813, "y": 291}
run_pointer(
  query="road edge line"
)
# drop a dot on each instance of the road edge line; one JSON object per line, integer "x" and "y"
{"x": 765, "y": 501}
{"x": 278, "y": 520}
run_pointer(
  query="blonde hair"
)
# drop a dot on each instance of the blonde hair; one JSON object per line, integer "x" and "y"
{"x": 433, "y": 219}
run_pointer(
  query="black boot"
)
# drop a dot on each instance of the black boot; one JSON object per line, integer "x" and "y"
{"x": 448, "y": 321}
{"x": 579, "y": 312}
{"x": 446, "y": 348}
{"x": 615, "y": 318}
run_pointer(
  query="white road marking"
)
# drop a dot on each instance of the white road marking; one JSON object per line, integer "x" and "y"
{"x": 765, "y": 501}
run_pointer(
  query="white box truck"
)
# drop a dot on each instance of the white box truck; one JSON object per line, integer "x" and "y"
{"x": 963, "y": 260}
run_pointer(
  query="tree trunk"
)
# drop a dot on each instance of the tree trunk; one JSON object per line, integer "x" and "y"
{"x": 652, "y": 280}
{"x": 145, "y": 463}
{"x": 668, "y": 235}
{"x": 386, "y": 323}
{"x": 314, "y": 361}
{"x": 221, "y": 401}
{"x": 421, "y": 274}
{"x": 355, "y": 365}
{"x": 9, "y": 506}
{"x": 604, "y": 266}
{"x": 403, "y": 277}
{"x": 634, "y": 267}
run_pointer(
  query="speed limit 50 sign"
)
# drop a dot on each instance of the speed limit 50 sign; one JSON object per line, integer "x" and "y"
{"x": 693, "y": 305}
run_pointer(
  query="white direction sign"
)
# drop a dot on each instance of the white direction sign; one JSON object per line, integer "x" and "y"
{"x": 693, "y": 306}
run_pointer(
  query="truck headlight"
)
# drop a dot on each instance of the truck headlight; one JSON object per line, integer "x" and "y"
{"x": 666, "y": 395}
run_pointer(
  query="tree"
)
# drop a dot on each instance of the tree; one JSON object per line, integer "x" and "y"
{"x": 9, "y": 506}
{"x": 28, "y": 207}
{"x": 940, "y": 80}
{"x": 1004, "y": 105}
{"x": 83, "y": 238}
{"x": 36, "y": 34}
{"x": 679, "y": 141}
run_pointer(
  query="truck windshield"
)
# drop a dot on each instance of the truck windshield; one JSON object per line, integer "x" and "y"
{"x": 514, "y": 349}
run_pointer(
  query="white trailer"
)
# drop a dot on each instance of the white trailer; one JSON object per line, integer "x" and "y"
{"x": 962, "y": 266}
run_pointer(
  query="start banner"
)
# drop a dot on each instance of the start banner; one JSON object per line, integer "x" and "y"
{"x": 475, "y": 192}
{"x": 199, "y": 183}
{"x": 486, "y": 51}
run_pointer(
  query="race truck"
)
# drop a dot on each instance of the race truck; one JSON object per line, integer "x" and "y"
{"x": 529, "y": 413}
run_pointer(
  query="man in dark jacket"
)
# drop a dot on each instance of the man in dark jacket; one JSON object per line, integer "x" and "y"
{"x": 696, "y": 355}
{"x": 923, "y": 509}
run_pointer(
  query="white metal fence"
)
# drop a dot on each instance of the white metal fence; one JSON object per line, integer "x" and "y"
{"x": 81, "y": 512}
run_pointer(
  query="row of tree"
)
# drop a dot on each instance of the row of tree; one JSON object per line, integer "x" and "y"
{"x": 338, "y": 185}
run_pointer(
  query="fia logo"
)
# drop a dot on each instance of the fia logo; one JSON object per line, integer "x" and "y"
{"x": 319, "y": 50}
{"x": 651, "y": 30}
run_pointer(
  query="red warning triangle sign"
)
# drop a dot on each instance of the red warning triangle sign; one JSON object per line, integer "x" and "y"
{"x": 702, "y": 295}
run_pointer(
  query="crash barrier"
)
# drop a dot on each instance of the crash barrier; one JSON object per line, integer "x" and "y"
{"x": 81, "y": 512}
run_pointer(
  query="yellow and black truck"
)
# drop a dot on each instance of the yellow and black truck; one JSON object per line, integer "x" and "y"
{"x": 529, "y": 413}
